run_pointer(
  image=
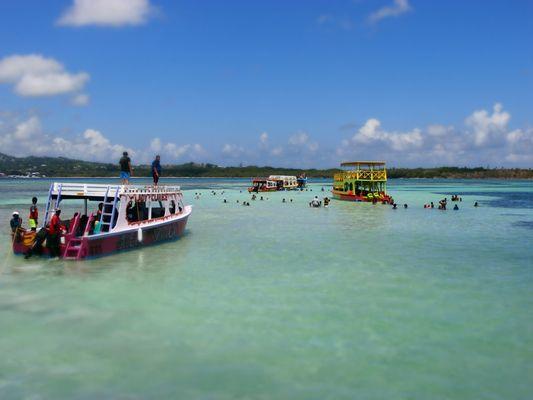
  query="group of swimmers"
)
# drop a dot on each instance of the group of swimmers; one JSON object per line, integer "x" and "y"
{"x": 444, "y": 202}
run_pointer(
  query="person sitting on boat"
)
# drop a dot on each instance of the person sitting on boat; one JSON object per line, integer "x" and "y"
{"x": 16, "y": 222}
{"x": 34, "y": 215}
{"x": 54, "y": 234}
{"x": 16, "y": 226}
{"x": 130, "y": 212}
{"x": 37, "y": 246}
{"x": 82, "y": 225}
{"x": 156, "y": 169}
{"x": 97, "y": 218}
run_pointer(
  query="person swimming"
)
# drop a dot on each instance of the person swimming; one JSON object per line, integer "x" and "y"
{"x": 456, "y": 207}
{"x": 405, "y": 206}
{"x": 394, "y": 206}
{"x": 476, "y": 204}
{"x": 315, "y": 202}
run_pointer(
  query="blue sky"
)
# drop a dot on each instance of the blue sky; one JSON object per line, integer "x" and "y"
{"x": 285, "y": 83}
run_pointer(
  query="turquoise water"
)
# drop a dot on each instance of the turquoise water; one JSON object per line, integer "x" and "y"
{"x": 281, "y": 301}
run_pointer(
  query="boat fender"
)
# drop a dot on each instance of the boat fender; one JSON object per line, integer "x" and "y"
{"x": 140, "y": 235}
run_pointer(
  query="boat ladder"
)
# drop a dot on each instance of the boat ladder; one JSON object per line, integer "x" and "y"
{"x": 74, "y": 249}
{"x": 49, "y": 202}
{"x": 109, "y": 210}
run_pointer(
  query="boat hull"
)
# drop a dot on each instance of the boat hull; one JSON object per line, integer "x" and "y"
{"x": 128, "y": 239}
{"x": 347, "y": 196}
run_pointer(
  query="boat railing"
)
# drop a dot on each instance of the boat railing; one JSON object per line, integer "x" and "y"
{"x": 74, "y": 227}
{"x": 363, "y": 175}
{"x": 99, "y": 190}
{"x": 89, "y": 224}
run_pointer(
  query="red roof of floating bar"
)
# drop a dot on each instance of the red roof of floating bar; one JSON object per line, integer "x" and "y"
{"x": 355, "y": 163}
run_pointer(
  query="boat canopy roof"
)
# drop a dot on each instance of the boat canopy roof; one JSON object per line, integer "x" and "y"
{"x": 97, "y": 192}
{"x": 362, "y": 163}
{"x": 281, "y": 177}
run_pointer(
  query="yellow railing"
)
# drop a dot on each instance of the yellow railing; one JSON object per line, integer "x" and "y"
{"x": 362, "y": 175}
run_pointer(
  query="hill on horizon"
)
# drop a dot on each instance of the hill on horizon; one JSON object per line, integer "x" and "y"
{"x": 67, "y": 167}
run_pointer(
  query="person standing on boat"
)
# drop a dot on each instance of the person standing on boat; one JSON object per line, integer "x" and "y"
{"x": 125, "y": 168}
{"x": 34, "y": 215}
{"x": 156, "y": 169}
{"x": 54, "y": 232}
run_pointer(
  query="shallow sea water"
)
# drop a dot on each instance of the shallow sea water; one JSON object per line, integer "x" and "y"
{"x": 281, "y": 301}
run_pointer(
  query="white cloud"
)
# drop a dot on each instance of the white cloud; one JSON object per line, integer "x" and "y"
{"x": 263, "y": 138}
{"x": 33, "y": 75}
{"x": 155, "y": 145}
{"x": 486, "y": 127}
{"x": 173, "y": 152}
{"x": 106, "y": 13}
{"x": 233, "y": 151}
{"x": 371, "y": 133}
{"x": 80, "y": 99}
{"x": 277, "y": 151}
{"x": 398, "y": 8}
{"x": 299, "y": 139}
{"x": 26, "y": 137}
{"x": 485, "y": 139}
{"x": 521, "y": 146}
{"x": 28, "y": 129}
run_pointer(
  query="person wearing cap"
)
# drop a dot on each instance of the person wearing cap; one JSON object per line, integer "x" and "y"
{"x": 125, "y": 168}
{"x": 16, "y": 222}
{"x": 54, "y": 232}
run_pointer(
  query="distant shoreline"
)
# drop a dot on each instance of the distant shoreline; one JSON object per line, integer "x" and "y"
{"x": 60, "y": 167}
{"x": 251, "y": 177}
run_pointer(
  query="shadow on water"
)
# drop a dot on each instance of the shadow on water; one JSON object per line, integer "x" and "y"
{"x": 524, "y": 224}
{"x": 500, "y": 199}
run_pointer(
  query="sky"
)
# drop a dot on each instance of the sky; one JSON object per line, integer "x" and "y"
{"x": 292, "y": 83}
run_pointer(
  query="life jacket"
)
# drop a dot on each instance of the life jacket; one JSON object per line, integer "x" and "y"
{"x": 34, "y": 212}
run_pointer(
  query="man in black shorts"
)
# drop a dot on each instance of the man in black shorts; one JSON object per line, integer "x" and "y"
{"x": 156, "y": 169}
{"x": 125, "y": 168}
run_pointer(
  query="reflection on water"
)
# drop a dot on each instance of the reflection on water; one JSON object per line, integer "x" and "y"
{"x": 280, "y": 300}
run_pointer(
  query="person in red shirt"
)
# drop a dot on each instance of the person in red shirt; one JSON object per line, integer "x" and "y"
{"x": 34, "y": 215}
{"x": 54, "y": 233}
